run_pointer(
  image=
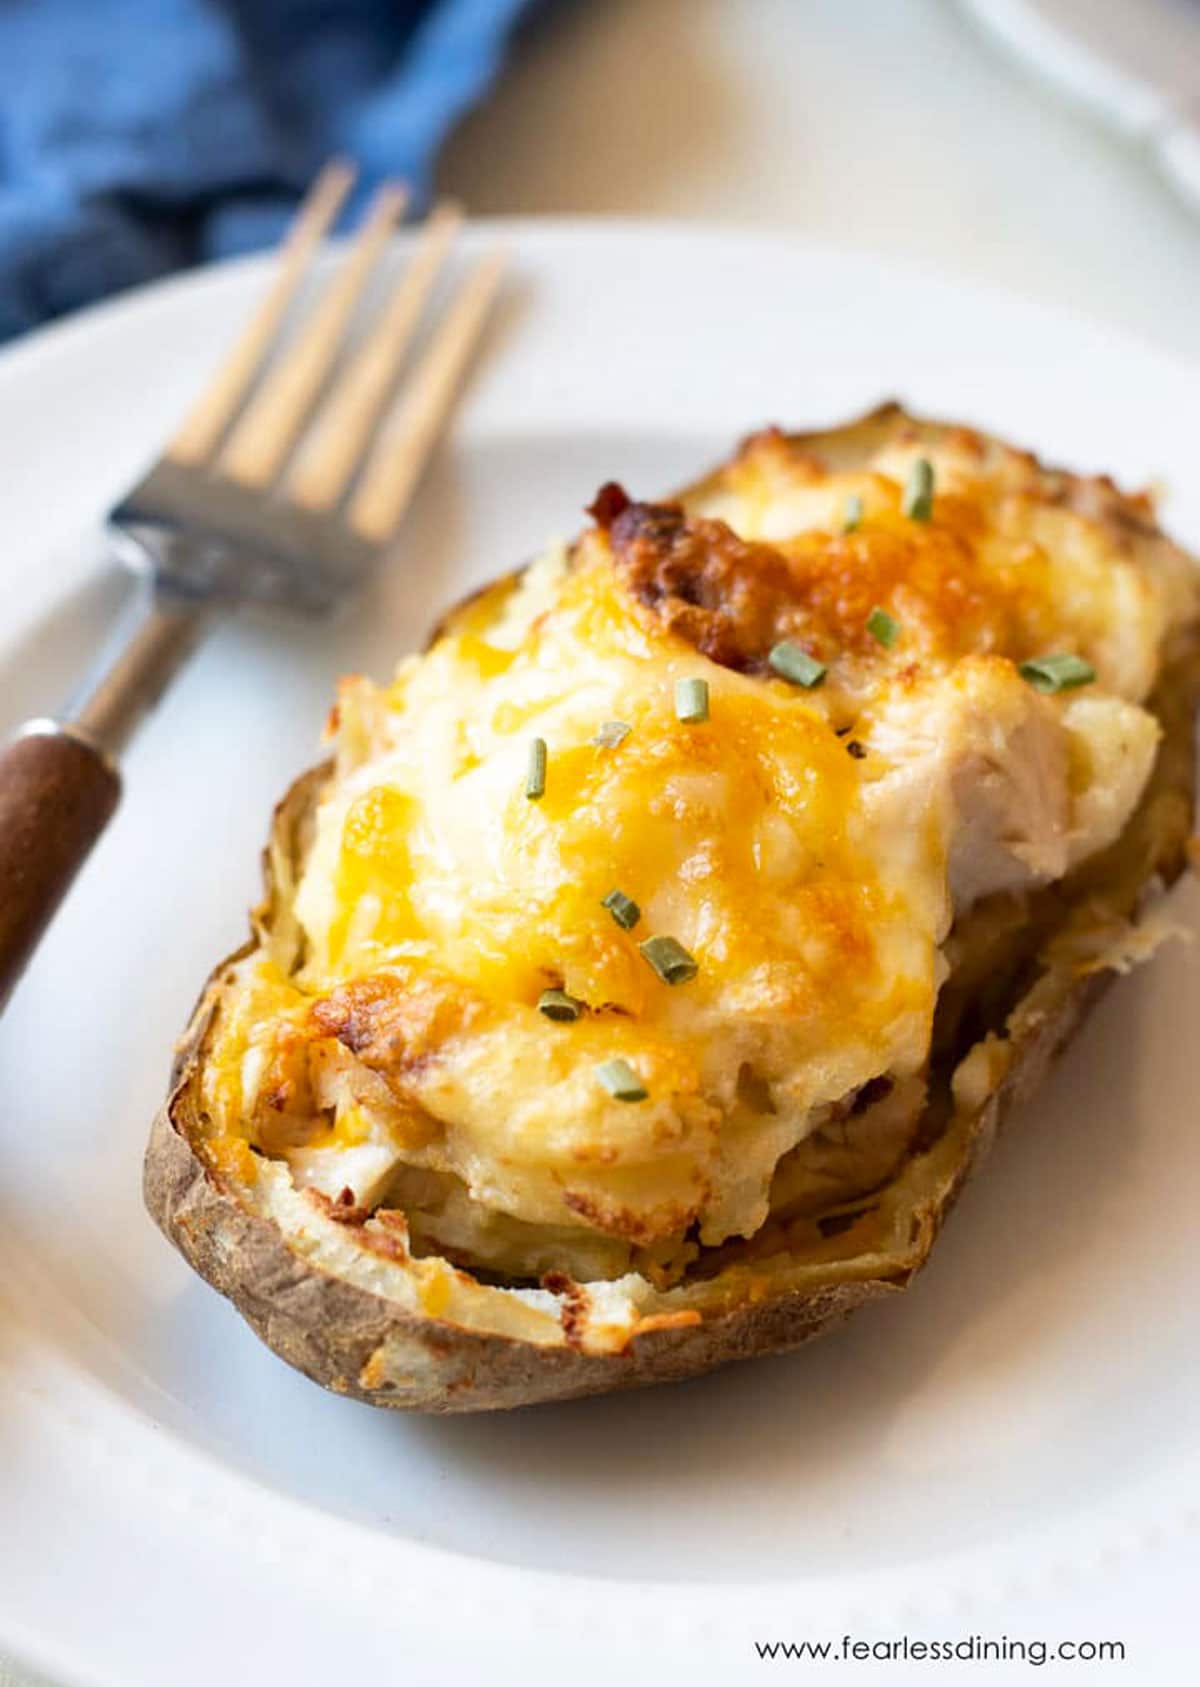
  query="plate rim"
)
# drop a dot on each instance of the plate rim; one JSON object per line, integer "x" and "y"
{"x": 62, "y": 332}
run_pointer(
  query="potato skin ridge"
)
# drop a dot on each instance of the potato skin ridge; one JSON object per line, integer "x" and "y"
{"x": 364, "y": 1345}
{"x": 333, "y": 1330}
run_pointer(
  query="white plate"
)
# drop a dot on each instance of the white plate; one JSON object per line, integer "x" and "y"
{"x": 1022, "y": 1426}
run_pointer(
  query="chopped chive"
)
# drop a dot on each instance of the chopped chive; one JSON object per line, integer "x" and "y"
{"x": 611, "y": 733}
{"x": 621, "y": 1081}
{"x": 793, "y": 663}
{"x": 535, "y": 779}
{"x": 1057, "y": 673}
{"x": 852, "y": 513}
{"x": 556, "y": 1004}
{"x": 622, "y": 908}
{"x": 882, "y": 627}
{"x": 691, "y": 700}
{"x": 918, "y": 491}
{"x": 669, "y": 959}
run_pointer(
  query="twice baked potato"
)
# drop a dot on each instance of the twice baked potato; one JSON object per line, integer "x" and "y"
{"x": 655, "y": 958}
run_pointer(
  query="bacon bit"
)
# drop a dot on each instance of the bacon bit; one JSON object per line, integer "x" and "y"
{"x": 723, "y": 594}
{"x": 575, "y": 1307}
{"x": 387, "y": 1236}
{"x": 387, "y": 1247}
{"x": 337, "y": 1210}
{"x": 611, "y": 501}
{"x": 355, "y": 1217}
{"x": 667, "y": 1321}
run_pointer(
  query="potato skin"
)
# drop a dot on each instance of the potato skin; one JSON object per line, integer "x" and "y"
{"x": 333, "y": 1331}
{"x": 361, "y": 1344}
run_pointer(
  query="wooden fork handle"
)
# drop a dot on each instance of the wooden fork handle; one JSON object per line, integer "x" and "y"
{"x": 57, "y": 794}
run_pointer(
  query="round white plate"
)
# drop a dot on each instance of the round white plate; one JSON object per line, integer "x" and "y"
{"x": 177, "y": 1505}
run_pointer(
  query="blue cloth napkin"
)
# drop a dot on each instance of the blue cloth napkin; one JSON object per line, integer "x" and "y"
{"x": 140, "y": 135}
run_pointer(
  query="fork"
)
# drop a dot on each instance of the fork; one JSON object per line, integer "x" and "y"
{"x": 283, "y": 486}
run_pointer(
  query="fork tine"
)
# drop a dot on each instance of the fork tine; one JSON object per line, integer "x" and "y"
{"x": 207, "y": 420}
{"x": 268, "y": 427}
{"x": 335, "y": 443}
{"x": 399, "y": 455}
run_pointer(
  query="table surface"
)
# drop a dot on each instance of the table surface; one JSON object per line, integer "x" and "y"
{"x": 882, "y": 125}
{"x": 886, "y": 125}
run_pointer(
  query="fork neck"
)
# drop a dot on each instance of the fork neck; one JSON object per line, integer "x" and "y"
{"x": 150, "y": 647}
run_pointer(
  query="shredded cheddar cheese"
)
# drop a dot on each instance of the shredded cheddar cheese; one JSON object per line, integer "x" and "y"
{"x": 806, "y": 845}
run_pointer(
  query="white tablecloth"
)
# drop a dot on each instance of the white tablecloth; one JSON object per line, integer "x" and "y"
{"x": 888, "y": 125}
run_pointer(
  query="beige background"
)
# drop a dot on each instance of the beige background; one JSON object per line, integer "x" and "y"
{"x": 887, "y": 125}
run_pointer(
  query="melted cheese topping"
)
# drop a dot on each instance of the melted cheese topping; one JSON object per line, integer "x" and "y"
{"x": 808, "y": 848}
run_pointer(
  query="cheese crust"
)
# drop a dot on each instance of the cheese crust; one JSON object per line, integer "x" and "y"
{"x": 843, "y": 862}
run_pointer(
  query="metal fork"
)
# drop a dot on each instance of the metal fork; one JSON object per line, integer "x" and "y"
{"x": 283, "y": 486}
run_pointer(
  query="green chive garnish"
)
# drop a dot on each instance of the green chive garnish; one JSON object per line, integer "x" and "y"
{"x": 852, "y": 513}
{"x": 882, "y": 627}
{"x": 1057, "y": 673}
{"x": 622, "y": 908}
{"x": 556, "y": 1004}
{"x": 691, "y": 700}
{"x": 535, "y": 779}
{"x": 669, "y": 959}
{"x": 792, "y": 663}
{"x": 918, "y": 491}
{"x": 611, "y": 734}
{"x": 621, "y": 1081}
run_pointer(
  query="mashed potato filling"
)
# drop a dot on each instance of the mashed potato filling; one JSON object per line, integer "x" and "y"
{"x": 807, "y": 848}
